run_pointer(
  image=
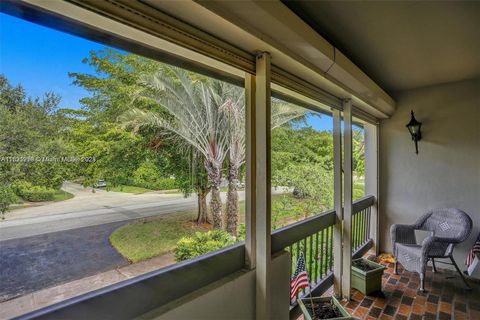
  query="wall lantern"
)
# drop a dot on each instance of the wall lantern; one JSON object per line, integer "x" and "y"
{"x": 414, "y": 129}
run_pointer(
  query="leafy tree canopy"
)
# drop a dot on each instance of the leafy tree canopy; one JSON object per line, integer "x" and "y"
{"x": 31, "y": 128}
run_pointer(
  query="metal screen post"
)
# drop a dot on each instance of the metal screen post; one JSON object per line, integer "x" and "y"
{"x": 250, "y": 189}
{"x": 262, "y": 187}
{"x": 347, "y": 199}
{"x": 337, "y": 187}
{"x": 371, "y": 180}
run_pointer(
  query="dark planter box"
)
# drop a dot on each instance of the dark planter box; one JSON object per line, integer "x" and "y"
{"x": 306, "y": 312}
{"x": 367, "y": 282}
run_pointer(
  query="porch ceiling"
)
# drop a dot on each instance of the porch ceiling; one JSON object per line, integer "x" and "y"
{"x": 401, "y": 45}
{"x": 296, "y": 49}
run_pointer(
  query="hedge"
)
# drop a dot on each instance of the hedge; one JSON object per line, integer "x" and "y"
{"x": 160, "y": 184}
{"x": 38, "y": 193}
{"x": 32, "y": 193}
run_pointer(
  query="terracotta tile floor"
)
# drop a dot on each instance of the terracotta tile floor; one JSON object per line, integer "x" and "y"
{"x": 445, "y": 298}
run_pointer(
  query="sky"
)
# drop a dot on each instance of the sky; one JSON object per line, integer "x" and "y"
{"x": 39, "y": 58}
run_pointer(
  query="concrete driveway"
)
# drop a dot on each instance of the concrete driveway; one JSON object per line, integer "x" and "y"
{"x": 38, "y": 262}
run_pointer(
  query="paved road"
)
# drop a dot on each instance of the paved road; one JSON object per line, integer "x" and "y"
{"x": 85, "y": 200}
{"x": 20, "y": 228}
{"x": 88, "y": 209}
{"x": 38, "y": 262}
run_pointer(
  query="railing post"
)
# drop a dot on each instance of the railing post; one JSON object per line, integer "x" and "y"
{"x": 262, "y": 187}
{"x": 371, "y": 180}
{"x": 347, "y": 199}
{"x": 337, "y": 187}
{"x": 250, "y": 189}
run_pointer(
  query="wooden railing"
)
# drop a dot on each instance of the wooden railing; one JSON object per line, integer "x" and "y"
{"x": 313, "y": 237}
{"x": 361, "y": 239}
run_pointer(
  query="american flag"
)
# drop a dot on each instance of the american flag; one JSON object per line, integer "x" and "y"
{"x": 475, "y": 250}
{"x": 300, "y": 277}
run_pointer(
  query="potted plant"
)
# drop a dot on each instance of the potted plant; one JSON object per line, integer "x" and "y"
{"x": 367, "y": 276}
{"x": 323, "y": 308}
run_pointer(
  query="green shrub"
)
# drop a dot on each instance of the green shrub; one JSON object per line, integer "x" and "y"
{"x": 19, "y": 186}
{"x": 7, "y": 197}
{"x": 149, "y": 176}
{"x": 201, "y": 243}
{"x": 241, "y": 232}
{"x": 29, "y": 192}
{"x": 165, "y": 184}
{"x": 38, "y": 193}
{"x": 146, "y": 174}
{"x": 159, "y": 184}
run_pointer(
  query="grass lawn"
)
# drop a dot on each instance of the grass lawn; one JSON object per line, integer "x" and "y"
{"x": 61, "y": 195}
{"x": 129, "y": 189}
{"x": 225, "y": 189}
{"x": 358, "y": 189}
{"x": 147, "y": 238}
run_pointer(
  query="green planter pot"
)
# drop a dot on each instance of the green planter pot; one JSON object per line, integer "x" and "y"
{"x": 306, "y": 313}
{"x": 367, "y": 282}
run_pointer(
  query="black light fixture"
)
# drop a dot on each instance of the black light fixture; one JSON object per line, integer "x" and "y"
{"x": 414, "y": 129}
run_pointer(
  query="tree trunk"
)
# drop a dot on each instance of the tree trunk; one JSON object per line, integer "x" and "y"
{"x": 215, "y": 178}
{"x": 232, "y": 200}
{"x": 202, "y": 216}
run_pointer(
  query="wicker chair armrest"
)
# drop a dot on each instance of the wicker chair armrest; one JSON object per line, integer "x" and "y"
{"x": 428, "y": 241}
{"x": 403, "y": 233}
{"x": 398, "y": 226}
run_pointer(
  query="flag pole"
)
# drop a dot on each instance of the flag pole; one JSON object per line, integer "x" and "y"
{"x": 298, "y": 281}
{"x": 311, "y": 300}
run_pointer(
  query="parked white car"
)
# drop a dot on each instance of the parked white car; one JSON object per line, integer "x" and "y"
{"x": 101, "y": 184}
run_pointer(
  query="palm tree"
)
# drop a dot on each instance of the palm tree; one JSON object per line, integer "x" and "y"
{"x": 235, "y": 114}
{"x": 195, "y": 114}
{"x": 199, "y": 182}
{"x": 209, "y": 115}
{"x": 281, "y": 113}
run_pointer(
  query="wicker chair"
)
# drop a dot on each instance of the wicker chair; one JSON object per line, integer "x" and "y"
{"x": 449, "y": 227}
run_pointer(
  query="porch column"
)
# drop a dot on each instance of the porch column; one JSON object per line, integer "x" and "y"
{"x": 337, "y": 195}
{"x": 371, "y": 180}
{"x": 261, "y": 115}
{"x": 347, "y": 199}
{"x": 250, "y": 156}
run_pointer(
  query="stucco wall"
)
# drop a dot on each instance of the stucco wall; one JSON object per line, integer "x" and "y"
{"x": 446, "y": 172}
{"x": 232, "y": 297}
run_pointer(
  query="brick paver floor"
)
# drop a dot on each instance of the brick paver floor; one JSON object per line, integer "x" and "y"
{"x": 445, "y": 298}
